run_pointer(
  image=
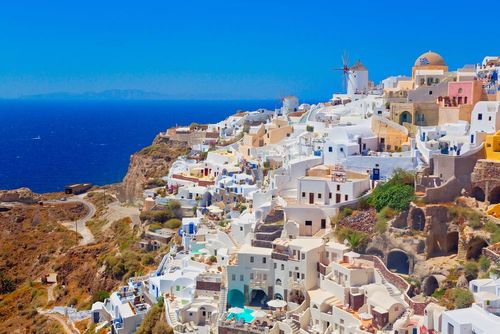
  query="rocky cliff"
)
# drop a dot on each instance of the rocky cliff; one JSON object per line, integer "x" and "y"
{"x": 21, "y": 195}
{"x": 151, "y": 162}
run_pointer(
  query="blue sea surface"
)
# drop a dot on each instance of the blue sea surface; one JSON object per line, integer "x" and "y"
{"x": 45, "y": 145}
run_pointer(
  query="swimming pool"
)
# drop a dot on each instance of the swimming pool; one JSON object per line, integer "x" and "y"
{"x": 246, "y": 315}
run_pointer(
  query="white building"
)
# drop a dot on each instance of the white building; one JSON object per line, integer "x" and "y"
{"x": 472, "y": 320}
{"x": 485, "y": 119}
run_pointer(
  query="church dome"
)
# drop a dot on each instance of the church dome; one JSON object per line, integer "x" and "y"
{"x": 430, "y": 59}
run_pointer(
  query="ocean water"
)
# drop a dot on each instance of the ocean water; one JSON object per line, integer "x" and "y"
{"x": 45, "y": 145}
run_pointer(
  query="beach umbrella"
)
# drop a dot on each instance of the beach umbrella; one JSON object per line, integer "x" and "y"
{"x": 236, "y": 310}
{"x": 277, "y": 303}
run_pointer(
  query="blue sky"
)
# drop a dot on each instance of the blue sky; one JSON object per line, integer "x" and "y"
{"x": 227, "y": 49}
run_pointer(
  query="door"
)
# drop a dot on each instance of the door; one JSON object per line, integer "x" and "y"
{"x": 337, "y": 198}
{"x": 323, "y": 223}
{"x": 311, "y": 198}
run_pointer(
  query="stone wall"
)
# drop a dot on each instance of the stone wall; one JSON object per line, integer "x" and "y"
{"x": 486, "y": 176}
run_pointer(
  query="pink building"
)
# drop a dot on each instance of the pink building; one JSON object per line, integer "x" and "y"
{"x": 458, "y": 104}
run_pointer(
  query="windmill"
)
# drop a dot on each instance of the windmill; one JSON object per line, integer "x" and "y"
{"x": 346, "y": 70}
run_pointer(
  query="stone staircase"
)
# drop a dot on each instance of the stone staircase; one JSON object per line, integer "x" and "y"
{"x": 386, "y": 284}
{"x": 223, "y": 301}
{"x": 293, "y": 325}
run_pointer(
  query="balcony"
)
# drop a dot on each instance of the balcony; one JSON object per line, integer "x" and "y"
{"x": 258, "y": 284}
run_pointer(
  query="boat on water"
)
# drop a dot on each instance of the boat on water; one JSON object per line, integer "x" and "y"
{"x": 37, "y": 138}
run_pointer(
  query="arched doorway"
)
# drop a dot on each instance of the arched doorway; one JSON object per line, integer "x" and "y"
{"x": 398, "y": 261}
{"x": 235, "y": 298}
{"x": 418, "y": 219}
{"x": 429, "y": 285}
{"x": 258, "y": 298}
{"x": 452, "y": 242}
{"x": 475, "y": 248}
{"x": 494, "y": 197}
{"x": 278, "y": 296}
{"x": 405, "y": 117}
{"x": 478, "y": 194}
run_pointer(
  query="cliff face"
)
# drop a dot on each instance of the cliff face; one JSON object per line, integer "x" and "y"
{"x": 151, "y": 162}
{"x": 21, "y": 195}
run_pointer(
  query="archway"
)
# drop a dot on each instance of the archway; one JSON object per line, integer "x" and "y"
{"x": 405, "y": 117}
{"x": 376, "y": 252}
{"x": 452, "y": 242}
{"x": 475, "y": 248}
{"x": 478, "y": 194}
{"x": 278, "y": 296}
{"x": 429, "y": 285}
{"x": 278, "y": 282}
{"x": 398, "y": 261}
{"x": 258, "y": 298}
{"x": 418, "y": 219}
{"x": 235, "y": 298}
{"x": 494, "y": 196}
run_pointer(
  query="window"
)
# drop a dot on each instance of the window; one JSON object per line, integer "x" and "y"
{"x": 302, "y": 276}
{"x": 303, "y": 194}
{"x": 430, "y": 92}
{"x": 451, "y": 329}
{"x": 251, "y": 259}
{"x": 330, "y": 149}
{"x": 251, "y": 275}
{"x": 489, "y": 118}
{"x": 241, "y": 228}
{"x": 346, "y": 197}
{"x": 479, "y": 117}
{"x": 233, "y": 277}
{"x": 338, "y": 187}
{"x": 460, "y": 90}
{"x": 241, "y": 278}
{"x": 264, "y": 277}
{"x": 264, "y": 260}
{"x": 319, "y": 196}
{"x": 289, "y": 274}
{"x": 308, "y": 223}
{"x": 275, "y": 265}
{"x": 282, "y": 267}
{"x": 330, "y": 195}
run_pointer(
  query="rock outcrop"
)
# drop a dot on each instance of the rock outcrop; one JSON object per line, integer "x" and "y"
{"x": 151, "y": 162}
{"x": 21, "y": 195}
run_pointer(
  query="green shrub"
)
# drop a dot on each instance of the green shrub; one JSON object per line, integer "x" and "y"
{"x": 6, "y": 284}
{"x": 173, "y": 223}
{"x": 494, "y": 229}
{"x": 100, "y": 296}
{"x": 461, "y": 298}
{"x": 395, "y": 196}
{"x": 148, "y": 260}
{"x": 484, "y": 263}
{"x": 471, "y": 270}
{"x": 155, "y": 226}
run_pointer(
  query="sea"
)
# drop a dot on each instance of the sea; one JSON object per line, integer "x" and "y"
{"x": 46, "y": 145}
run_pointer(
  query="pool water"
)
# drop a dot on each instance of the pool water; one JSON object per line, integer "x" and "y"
{"x": 246, "y": 315}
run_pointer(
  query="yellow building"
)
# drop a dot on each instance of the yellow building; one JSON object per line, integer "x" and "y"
{"x": 392, "y": 137}
{"x": 429, "y": 69}
{"x": 277, "y": 131}
{"x": 492, "y": 146}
